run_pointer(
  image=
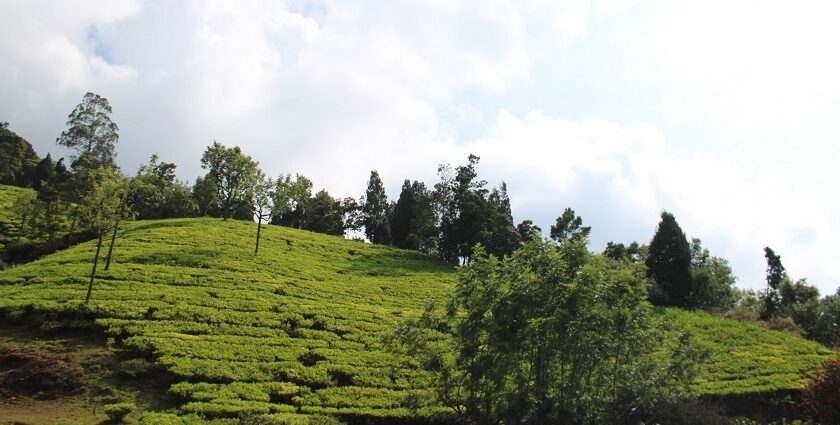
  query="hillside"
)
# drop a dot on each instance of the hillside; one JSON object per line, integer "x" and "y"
{"x": 297, "y": 329}
{"x": 9, "y": 225}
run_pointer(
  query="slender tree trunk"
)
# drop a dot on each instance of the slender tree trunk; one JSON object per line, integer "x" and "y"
{"x": 95, "y": 260}
{"x": 111, "y": 248}
{"x": 259, "y": 227}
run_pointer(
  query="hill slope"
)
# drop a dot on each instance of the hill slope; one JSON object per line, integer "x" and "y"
{"x": 297, "y": 329}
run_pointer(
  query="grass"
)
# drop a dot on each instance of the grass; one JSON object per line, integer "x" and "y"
{"x": 745, "y": 357}
{"x": 296, "y": 330}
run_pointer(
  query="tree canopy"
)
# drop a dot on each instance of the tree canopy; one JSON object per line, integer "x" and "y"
{"x": 669, "y": 264}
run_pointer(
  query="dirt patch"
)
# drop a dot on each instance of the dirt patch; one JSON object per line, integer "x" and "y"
{"x": 38, "y": 375}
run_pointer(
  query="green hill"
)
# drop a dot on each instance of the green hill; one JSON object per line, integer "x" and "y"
{"x": 297, "y": 329}
{"x": 9, "y": 224}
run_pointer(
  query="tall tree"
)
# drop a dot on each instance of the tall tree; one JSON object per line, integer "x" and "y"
{"x": 500, "y": 238}
{"x": 462, "y": 209}
{"x": 352, "y": 215}
{"x": 91, "y": 133}
{"x": 669, "y": 264}
{"x": 413, "y": 219}
{"x": 233, "y": 174}
{"x": 776, "y": 276}
{"x": 569, "y": 227}
{"x": 101, "y": 209}
{"x": 375, "y": 211}
{"x": 262, "y": 202}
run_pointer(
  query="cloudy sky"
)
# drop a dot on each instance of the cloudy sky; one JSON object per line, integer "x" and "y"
{"x": 726, "y": 113}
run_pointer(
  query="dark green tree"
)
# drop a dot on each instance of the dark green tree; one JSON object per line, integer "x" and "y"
{"x": 500, "y": 238}
{"x": 620, "y": 252}
{"x": 375, "y": 211}
{"x": 157, "y": 193}
{"x": 569, "y": 227}
{"x": 713, "y": 284}
{"x": 462, "y": 208}
{"x": 42, "y": 172}
{"x": 233, "y": 175}
{"x": 669, "y": 264}
{"x": 403, "y": 213}
{"x": 776, "y": 276}
{"x": 528, "y": 230}
{"x": 17, "y": 158}
{"x": 325, "y": 215}
{"x": 413, "y": 219}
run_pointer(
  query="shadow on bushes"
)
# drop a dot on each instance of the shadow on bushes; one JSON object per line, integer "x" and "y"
{"x": 24, "y": 252}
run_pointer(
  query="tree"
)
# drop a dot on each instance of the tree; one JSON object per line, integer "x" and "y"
{"x": 325, "y": 215}
{"x": 462, "y": 209}
{"x": 500, "y": 238}
{"x": 42, "y": 172}
{"x": 569, "y": 227}
{"x": 292, "y": 199}
{"x": 262, "y": 203}
{"x": 713, "y": 284}
{"x": 528, "y": 230}
{"x": 413, "y": 219}
{"x": 629, "y": 253}
{"x": 375, "y": 211}
{"x": 17, "y": 158}
{"x": 157, "y": 193}
{"x": 352, "y": 214}
{"x": 826, "y": 323}
{"x": 91, "y": 133}
{"x": 101, "y": 209}
{"x": 233, "y": 175}
{"x": 776, "y": 275}
{"x": 669, "y": 264}
{"x": 538, "y": 340}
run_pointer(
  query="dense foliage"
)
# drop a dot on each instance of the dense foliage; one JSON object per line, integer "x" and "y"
{"x": 821, "y": 399}
{"x": 298, "y": 329}
{"x": 546, "y": 337}
{"x": 669, "y": 264}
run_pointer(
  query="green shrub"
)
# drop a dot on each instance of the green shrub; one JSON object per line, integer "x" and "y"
{"x": 133, "y": 368}
{"x": 117, "y": 411}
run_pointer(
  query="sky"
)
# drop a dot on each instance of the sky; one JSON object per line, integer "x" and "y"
{"x": 724, "y": 113}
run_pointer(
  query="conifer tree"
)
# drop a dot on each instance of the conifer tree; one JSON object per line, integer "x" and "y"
{"x": 375, "y": 211}
{"x": 669, "y": 264}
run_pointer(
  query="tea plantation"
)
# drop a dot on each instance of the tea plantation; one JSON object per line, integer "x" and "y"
{"x": 296, "y": 330}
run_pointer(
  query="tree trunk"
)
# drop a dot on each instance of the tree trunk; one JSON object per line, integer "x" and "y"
{"x": 95, "y": 260}
{"x": 259, "y": 227}
{"x": 111, "y": 248}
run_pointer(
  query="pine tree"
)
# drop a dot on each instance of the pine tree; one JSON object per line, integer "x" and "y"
{"x": 669, "y": 264}
{"x": 375, "y": 211}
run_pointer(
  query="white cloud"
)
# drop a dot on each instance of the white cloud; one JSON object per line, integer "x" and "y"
{"x": 333, "y": 89}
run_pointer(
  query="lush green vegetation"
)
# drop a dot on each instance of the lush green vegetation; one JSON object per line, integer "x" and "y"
{"x": 745, "y": 357}
{"x": 9, "y": 223}
{"x": 297, "y": 329}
